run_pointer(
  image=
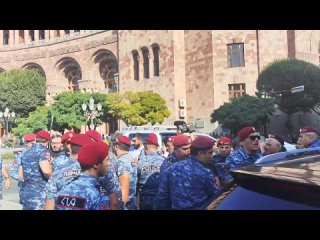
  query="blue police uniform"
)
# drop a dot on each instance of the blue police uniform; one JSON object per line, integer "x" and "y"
{"x": 149, "y": 179}
{"x": 61, "y": 159}
{"x": 171, "y": 159}
{"x": 219, "y": 165}
{"x": 240, "y": 158}
{"x": 14, "y": 172}
{"x": 188, "y": 185}
{"x": 62, "y": 176}
{"x": 34, "y": 180}
{"x": 123, "y": 165}
{"x": 111, "y": 183}
{"x": 84, "y": 193}
{"x": 314, "y": 143}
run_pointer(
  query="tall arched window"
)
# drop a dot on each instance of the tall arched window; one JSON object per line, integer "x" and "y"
{"x": 135, "y": 56}
{"x": 156, "y": 67}
{"x": 145, "y": 53}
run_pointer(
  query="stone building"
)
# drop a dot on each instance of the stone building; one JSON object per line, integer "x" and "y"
{"x": 195, "y": 71}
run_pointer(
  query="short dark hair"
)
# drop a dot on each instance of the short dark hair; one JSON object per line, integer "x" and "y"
{"x": 138, "y": 136}
{"x": 123, "y": 146}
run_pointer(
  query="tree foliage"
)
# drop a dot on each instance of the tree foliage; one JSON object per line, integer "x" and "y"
{"x": 22, "y": 90}
{"x": 68, "y": 113}
{"x": 243, "y": 111}
{"x": 279, "y": 77}
{"x": 138, "y": 108}
{"x": 39, "y": 119}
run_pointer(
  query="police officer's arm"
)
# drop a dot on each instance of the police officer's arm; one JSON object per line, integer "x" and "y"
{"x": 124, "y": 180}
{"x": 46, "y": 168}
{"x": 114, "y": 203}
{"x": 20, "y": 173}
{"x": 162, "y": 198}
{"x": 6, "y": 175}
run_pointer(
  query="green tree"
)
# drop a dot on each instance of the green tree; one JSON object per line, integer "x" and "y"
{"x": 22, "y": 90}
{"x": 39, "y": 119}
{"x": 279, "y": 77}
{"x": 67, "y": 111}
{"x": 138, "y": 108}
{"x": 243, "y": 111}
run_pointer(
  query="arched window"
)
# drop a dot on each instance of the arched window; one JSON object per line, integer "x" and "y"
{"x": 145, "y": 53}
{"x": 135, "y": 56}
{"x": 156, "y": 67}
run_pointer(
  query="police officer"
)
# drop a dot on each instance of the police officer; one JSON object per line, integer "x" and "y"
{"x": 85, "y": 193}
{"x": 66, "y": 173}
{"x": 217, "y": 163}
{"x": 16, "y": 171}
{"x": 309, "y": 137}
{"x": 181, "y": 145}
{"x": 94, "y": 135}
{"x": 189, "y": 184}
{"x": 249, "y": 150}
{"x": 36, "y": 171}
{"x": 3, "y": 173}
{"x": 149, "y": 173}
{"x": 126, "y": 173}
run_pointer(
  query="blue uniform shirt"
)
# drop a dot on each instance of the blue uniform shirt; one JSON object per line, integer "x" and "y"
{"x": 61, "y": 177}
{"x": 123, "y": 165}
{"x": 188, "y": 185}
{"x": 85, "y": 193}
{"x": 60, "y": 159}
{"x": 34, "y": 180}
{"x": 314, "y": 143}
{"x": 171, "y": 159}
{"x": 111, "y": 183}
{"x": 149, "y": 178}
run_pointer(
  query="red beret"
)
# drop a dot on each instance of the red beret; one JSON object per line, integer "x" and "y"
{"x": 95, "y": 135}
{"x": 67, "y": 136}
{"x": 309, "y": 129}
{"x": 124, "y": 139}
{"x": 202, "y": 142}
{"x": 152, "y": 139}
{"x": 30, "y": 137}
{"x": 224, "y": 141}
{"x": 43, "y": 134}
{"x": 80, "y": 139}
{"x": 277, "y": 137}
{"x": 245, "y": 132}
{"x": 93, "y": 153}
{"x": 181, "y": 140}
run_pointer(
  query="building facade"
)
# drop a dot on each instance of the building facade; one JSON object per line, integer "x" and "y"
{"x": 195, "y": 71}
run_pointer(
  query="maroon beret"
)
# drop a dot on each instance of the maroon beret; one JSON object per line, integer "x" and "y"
{"x": 277, "y": 137}
{"x": 309, "y": 129}
{"x": 152, "y": 139}
{"x": 80, "y": 139}
{"x": 30, "y": 137}
{"x": 95, "y": 135}
{"x": 67, "y": 136}
{"x": 124, "y": 139}
{"x": 245, "y": 132}
{"x": 181, "y": 140}
{"x": 93, "y": 153}
{"x": 43, "y": 134}
{"x": 202, "y": 142}
{"x": 224, "y": 141}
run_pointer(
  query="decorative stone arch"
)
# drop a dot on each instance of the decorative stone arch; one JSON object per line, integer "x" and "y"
{"x": 36, "y": 67}
{"x": 71, "y": 70}
{"x": 108, "y": 68}
{"x": 136, "y": 60}
{"x": 156, "y": 59}
{"x": 146, "y": 66}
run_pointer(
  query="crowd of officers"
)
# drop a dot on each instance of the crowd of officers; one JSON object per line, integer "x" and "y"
{"x": 83, "y": 172}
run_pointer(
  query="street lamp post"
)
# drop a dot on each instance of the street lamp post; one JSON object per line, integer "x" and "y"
{"x": 6, "y": 117}
{"x": 91, "y": 111}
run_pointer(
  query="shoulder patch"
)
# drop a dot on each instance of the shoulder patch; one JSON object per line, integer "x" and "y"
{"x": 101, "y": 189}
{"x": 71, "y": 202}
{"x": 71, "y": 173}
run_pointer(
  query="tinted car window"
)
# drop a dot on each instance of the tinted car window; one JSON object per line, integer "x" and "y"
{"x": 243, "y": 199}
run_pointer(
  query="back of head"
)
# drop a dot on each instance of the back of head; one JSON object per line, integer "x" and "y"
{"x": 95, "y": 135}
{"x": 93, "y": 153}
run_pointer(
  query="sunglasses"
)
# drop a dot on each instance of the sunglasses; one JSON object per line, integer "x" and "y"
{"x": 254, "y": 137}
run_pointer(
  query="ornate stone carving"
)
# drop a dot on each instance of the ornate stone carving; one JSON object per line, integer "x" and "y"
{"x": 65, "y": 50}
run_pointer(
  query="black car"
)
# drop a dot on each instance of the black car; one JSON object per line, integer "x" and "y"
{"x": 281, "y": 181}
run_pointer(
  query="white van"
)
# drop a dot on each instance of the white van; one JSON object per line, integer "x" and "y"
{"x": 162, "y": 132}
